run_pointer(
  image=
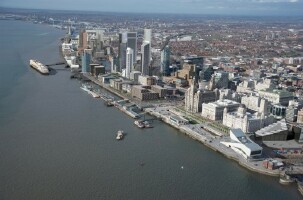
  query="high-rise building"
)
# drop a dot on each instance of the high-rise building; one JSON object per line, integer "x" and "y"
{"x": 132, "y": 43}
{"x": 165, "y": 60}
{"x": 122, "y": 51}
{"x": 86, "y": 58}
{"x": 129, "y": 62}
{"x": 82, "y": 41}
{"x": 146, "y": 58}
{"x": 147, "y": 35}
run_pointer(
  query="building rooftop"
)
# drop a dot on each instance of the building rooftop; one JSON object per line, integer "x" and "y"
{"x": 224, "y": 103}
{"x": 243, "y": 139}
{"x": 272, "y": 129}
{"x": 282, "y": 93}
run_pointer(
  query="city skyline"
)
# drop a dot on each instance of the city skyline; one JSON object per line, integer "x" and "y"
{"x": 218, "y": 7}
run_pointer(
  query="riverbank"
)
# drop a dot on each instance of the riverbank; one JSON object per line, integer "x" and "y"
{"x": 211, "y": 140}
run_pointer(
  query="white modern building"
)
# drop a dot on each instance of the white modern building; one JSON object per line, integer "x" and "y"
{"x": 242, "y": 145}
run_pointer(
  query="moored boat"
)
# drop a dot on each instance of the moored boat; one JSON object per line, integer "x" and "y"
{"x": 139, "y": 123}
{"x": 39, "y": 67}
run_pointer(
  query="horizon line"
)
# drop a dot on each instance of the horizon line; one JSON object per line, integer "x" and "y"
{"x": 150, "y": 13}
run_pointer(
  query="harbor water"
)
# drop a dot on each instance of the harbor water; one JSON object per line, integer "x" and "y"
{"x": 58, "y": 142}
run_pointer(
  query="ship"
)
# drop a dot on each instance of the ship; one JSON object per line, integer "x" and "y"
{"x": 143, "y": 124}
{"x": 120, "y": 135}
{"x": 39, "y": 67}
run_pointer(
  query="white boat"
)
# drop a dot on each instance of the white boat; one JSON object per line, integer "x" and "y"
{"x": 120, "y": 135}
{"x": 39, "y": 67}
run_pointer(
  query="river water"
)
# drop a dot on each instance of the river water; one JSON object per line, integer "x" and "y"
{"x": 57, "y": 142}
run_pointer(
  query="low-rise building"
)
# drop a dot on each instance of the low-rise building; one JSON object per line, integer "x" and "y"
{"x": 144, "y": 93}
{"x": 147, "y": 80}
{"x": 178, "y": 120}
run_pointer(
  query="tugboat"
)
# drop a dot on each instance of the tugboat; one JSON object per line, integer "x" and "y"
{"x": 120, "y": 135}
{"x": 139, "y": 123}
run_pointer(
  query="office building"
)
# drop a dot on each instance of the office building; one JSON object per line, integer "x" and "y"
{"x": 276, "y": 96}
{"x": 214, "y": 110}
{"x": 255, "y": 103}
{"x": 165, "y": 61}
{"x": 219, "y": 80}
{"x": 86, "y": 58}
{"x": 129, "y": 62}
{"x": 147, "y": 35}
{"x": 132, "y": 43}
{"x": 247, "y": 122}
{"x": 122, "y": 51}
{"x": 144, "y": 93}
{"x": 146, "y": 58}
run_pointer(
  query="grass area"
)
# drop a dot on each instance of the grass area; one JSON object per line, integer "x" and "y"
{"x": 220, "y": 127}
{"x": 199, "y": 119}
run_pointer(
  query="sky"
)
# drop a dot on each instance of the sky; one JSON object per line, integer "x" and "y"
{"x": 225, "y": 7}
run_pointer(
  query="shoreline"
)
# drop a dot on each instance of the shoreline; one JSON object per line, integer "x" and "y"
{"x": 255, "y": 167}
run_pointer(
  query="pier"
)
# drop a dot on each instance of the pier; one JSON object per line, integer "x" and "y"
{"x": 54, "y": 64}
